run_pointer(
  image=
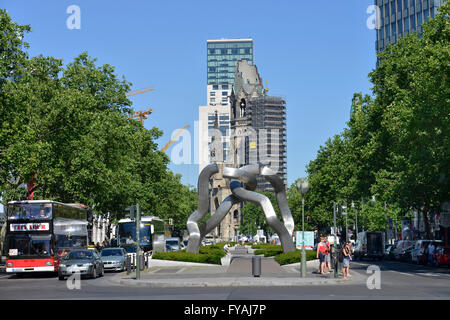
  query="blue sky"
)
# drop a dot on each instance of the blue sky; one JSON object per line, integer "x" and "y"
{"x": 315, "y": 54}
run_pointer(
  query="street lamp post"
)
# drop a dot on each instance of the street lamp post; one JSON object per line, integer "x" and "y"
{"x": 303, "y": 188}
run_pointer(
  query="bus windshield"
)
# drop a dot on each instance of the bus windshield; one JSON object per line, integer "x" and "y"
{"x": 26, "y": 245}
{"x": 127, "y": 229}
{"x": 68, "y": 241}
{"x": 30, "y": 211}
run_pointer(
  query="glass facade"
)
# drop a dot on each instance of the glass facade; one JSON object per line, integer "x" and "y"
{"x": 400, "y": 17}
{"x": 222, "y": 57}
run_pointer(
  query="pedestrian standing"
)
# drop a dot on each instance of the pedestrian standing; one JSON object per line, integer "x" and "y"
{"x": 321, "y": 249}
{"x": 346, "y": 261}
{"x": 328, "y": 255}
{"x": 431, "y": 253}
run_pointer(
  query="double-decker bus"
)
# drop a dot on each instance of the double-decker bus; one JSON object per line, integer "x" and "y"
{"x": 151, "y": 236}
{"x": 40, "y": 232}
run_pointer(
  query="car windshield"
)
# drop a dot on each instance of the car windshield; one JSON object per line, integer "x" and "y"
{"x": 79, "y": 255}
{"x": 111, "y": 252}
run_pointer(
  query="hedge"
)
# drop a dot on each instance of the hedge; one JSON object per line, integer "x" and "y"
{"x": 294, "y": 256}
{"x": 207, "y": 254}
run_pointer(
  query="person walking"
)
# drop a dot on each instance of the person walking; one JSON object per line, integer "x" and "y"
{"x": 431, "y": 253}
{"x": 321, "y": 249}
{"x": 346, "y": 261}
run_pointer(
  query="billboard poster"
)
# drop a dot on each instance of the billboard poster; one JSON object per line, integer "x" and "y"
{"x": 309, "y": 240}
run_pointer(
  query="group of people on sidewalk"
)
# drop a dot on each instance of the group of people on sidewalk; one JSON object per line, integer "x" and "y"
{"x": 324, "y": 256}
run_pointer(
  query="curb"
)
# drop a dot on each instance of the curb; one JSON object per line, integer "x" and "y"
{"x": 233, "y": 282}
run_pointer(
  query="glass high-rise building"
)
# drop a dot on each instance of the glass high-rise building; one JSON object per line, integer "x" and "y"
{"x": 400, "y": 17}
{"x": 222, "y": 57}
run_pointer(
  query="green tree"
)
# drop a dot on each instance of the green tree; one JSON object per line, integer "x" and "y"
{"x": 68, "y": 129}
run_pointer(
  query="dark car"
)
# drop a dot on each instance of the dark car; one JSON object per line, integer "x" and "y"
{"x": 389, "y": 252}
{"x": 84, "y": 262}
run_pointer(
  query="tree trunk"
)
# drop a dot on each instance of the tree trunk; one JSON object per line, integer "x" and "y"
{"x": 426, "y": 222}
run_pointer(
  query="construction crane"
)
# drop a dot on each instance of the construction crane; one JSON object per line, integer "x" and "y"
{"x": 141, "y": 115}
{"x": 174, "y": 138}
{"x": 133, "y": 93}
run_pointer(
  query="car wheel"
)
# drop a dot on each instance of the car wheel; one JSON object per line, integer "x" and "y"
{"x": 94, "y": 273}
{"x": 61, "y": 277}
{"x": 103, "y": 272}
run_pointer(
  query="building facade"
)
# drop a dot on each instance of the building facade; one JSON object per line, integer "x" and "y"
{"x": 258, "y": 123}
{"x": 400, "y": 17}
{"x": 222, "y": 57}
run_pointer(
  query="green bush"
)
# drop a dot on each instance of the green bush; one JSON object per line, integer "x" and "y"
{"x": 267, "y": 246}
{"x": 294, "y": 257}
{"x": 212, "y": 258}
{"x": 268, "y": 252}
{"x": 207, "y": 254}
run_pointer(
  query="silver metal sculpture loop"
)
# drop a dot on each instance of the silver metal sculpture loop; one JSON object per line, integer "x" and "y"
{"x": 246, "y": 175}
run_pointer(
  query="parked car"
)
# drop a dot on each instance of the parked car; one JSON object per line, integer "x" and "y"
{"x": 389, "y": 252}
{"x": 400, "y": 248}
{"x": 85, "y": 262}
{"x": 442, "y": 257}
{"x": 173, "y": 244}
{"x": 418, "y": 254}
{"x": 406, "y": 254}
{"x": 114, "y": 259}
{"x": 370, "y": 244}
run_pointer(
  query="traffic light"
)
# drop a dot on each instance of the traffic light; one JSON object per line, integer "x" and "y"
{"x": 132, "y": 212}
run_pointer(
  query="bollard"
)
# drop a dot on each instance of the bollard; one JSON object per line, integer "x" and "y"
{"x": 142, "y": 262}
{"x": 256, "y": 266}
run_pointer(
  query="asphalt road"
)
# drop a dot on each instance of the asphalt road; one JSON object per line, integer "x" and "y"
{"x": 397, "y": 281}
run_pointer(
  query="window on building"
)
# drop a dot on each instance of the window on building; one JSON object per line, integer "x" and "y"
{"x": 399, "y": 5}
{"x": 426, "y": 13}
{"x": 394, "y": 29}
{"x": 215, "y": 87}
{"x": 406, "y": 21}
{"x": 400, "y": 27}
{"x": 393, "y": 11}
{"x": 382, "y": 33}
{"x": 225, "y": 87}
{"x": 213, "y": 99}
{"x": 413, "y": 22}
{"x": 212, "y": 93}
{"x": 386, "y": 10}
{"x": 388, "y": 31}
{"x": 419, "y": 18}
{"x": 224, "y": 93}
{"x": 405, "y": 4}
{"x": 432, "y": 13}
{"x": 224, "y": 99}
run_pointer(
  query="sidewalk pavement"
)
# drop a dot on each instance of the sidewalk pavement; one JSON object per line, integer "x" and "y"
{"x": 163, "y": 273}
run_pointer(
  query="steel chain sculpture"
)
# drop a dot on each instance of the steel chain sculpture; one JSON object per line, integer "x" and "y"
{"x": 242, "y": 184}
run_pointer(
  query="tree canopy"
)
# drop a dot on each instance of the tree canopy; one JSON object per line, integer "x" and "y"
{"x": 67, "y": 128}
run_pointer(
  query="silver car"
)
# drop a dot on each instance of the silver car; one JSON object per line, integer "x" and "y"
{"x": 84, "y": 262}
{"x": 114, "y": 259}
